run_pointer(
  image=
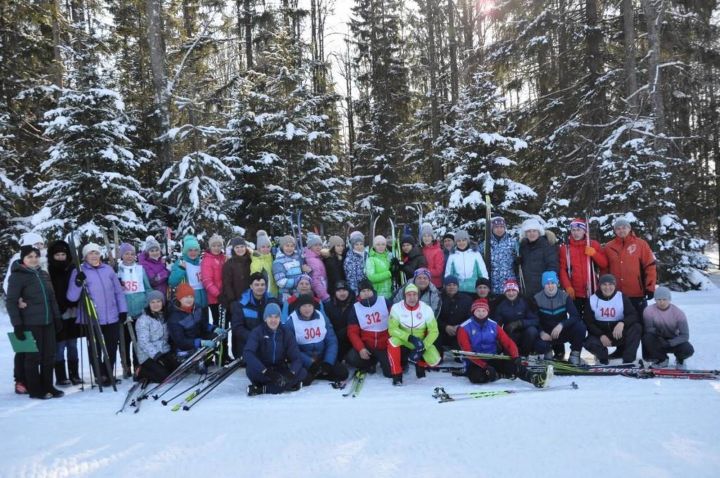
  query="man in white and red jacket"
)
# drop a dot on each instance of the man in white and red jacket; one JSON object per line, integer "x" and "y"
{"x": 368, "y": 330}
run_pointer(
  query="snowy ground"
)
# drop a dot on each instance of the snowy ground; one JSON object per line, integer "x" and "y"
{"x": 610, "y": 427}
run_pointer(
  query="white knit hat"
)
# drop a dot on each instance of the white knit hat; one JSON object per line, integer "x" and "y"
{"x": 90, "y": 247}
{"x": 532, "y": 224}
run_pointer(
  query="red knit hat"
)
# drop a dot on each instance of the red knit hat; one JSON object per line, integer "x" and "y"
{"x": 579, "y": 222}
{"x": 480, "y": 304}
{"x": 511, "y": 284}
{"x": 184, "y": 290}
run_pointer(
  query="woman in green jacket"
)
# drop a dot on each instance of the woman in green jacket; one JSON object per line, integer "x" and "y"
{"x": 377, "y": 267}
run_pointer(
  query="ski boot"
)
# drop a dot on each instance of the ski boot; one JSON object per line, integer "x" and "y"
{"x": 397, "y": 380}
{"x": 253, "y": 390}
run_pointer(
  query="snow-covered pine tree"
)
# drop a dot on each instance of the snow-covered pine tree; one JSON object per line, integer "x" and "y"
{"x": 481, "y": 160}
{"x": 89, "y": 182}
{"x": 10, "y": 192}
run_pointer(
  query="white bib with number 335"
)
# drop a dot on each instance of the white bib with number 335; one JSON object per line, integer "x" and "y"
{"x": 131, "y": 278}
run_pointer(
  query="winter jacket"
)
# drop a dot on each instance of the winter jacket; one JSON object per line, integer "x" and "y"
{"x": 265, "y": 348}
{"x": 602, "y": 313}
{"x": 508, "y": 311}
{"x": 339, "y": 314}
{"x": 535, "y": 258}
{"x": 632, "y": 262}
{"x": 368, "y": 337}
{"x": 105, "y": 292}
{"x": 455, "y": 310}
{"x": 334, "y": 266}
{"x": 435, "y": 259}
{"x": 152, "y": 336}
{"x": 354, "y": 268}
{"x": 318, "y": 274}
{"x": 577, "y": 276}
{"x": 60, "y": 273}
{"x": 179, "y": 275}
{"x": 484, "y": 336}
{"x": 670, "y": 324}
{"x": 377, "y": 270}
{"x": 412, "y": 262}
{"x": 558, "y": 309}
{"x": 468, "y": 266}
{"x": 430, "y": 296}
{"x": 264, "y": 263}
{"x": 34, "y": 287}
{"x": 235, "y": 279}
{"x": 134, "y": 297}
{"x": 211, "y": 273}
{"x": 325, "y": 349}
{"x": 503, "y": 252}
{"x": 156, "y": 271}
{"x": 418, "y": 321}
{"x": 287, "y": 270}
{"x": 187, "y": 329}
{"x": 247, "y": 313}
{"x": 16, "y": 258}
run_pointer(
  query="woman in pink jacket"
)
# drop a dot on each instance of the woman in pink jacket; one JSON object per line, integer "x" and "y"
{"x": 211, "y": 274}
{"x": 433, "y": 255}
{"x": 318, "y": 274}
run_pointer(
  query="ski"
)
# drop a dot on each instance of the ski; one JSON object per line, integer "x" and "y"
{"x": 129, "y": 397}
{"x": 359, "y": 384}
{"x": 443, "y": 397}
{"x": 488, "y": 219}
{"x": 356, "y": 381}
{"x": 205, "y": 391}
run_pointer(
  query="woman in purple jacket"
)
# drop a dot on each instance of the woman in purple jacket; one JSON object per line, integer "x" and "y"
{"x": 106, "y": 294}
{"x": 151, "y": 260}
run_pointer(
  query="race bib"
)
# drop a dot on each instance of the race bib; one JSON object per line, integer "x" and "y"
{"x": 193, "y": 275}
{"x": 309, "y": 331}
{"x": 372, "y": 319}
{"x": 131, "y": 278}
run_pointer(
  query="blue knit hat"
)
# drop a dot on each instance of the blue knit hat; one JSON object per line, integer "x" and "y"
{"x": 549, "y": 276}
{"x": 451, "y": 280}
{"x": 190, "y": 242}
{"x": 271, "y": 309}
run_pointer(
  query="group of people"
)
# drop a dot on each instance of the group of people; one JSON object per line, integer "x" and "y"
{"x": 295, "y": 315}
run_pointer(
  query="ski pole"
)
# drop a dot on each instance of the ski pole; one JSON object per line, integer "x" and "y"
{"x": 204, "y": 393}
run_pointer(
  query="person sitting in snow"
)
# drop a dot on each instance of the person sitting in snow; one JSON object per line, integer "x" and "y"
{"x": 368, "y": 331}
{"x": 413, "y": 332}
{"x": 479, "y": 334}
{"x": 666, "y": 330}
{"x": 153, "y": 349}
{"x": 517, "y": 319}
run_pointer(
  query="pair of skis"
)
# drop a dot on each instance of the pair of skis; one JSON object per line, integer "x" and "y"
{"x": 356, "y": 384}
{"x": 443, "y": 396}
{"x": 131, "y": 399}
{"x": 203, "y": 387}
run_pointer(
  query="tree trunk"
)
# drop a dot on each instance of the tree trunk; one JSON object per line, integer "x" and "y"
{"x": 630, "y": 64}
{"x": 248, "y": 33}
{"x": 436, "y": 165}
{"x": 58, "y": 64}
{"x": 452, "y": 44}
{"x": 652, "y": 20}
{"x": 156, "y": 44}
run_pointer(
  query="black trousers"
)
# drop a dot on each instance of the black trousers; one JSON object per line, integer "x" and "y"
{"x": 38, "y": 366}
{"x": 629, "y": 344}
{"x": 376, "y": 356}
{"x": 504, "y": 369}
{"x": 658, "y": 348}
{"x": 110, "y": 334}
{"x": 158, "y": 370}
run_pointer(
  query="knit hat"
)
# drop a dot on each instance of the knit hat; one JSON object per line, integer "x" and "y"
{"x": 30, "y": 239}
{"x": 58, "y": 246}
{"x": 578, "y": 223}
{"x": 284, "y": 240}
{"x": 411, "y": 288}
{"x": 237, "y": 241}
{"x": 271, "y": 309}
{"x": 480, "y": 304}
{"x": 184, "y": 290}
{"x": 379, "y": 240}
{"x": 125, "y": 248}
{"x": 314, "y": 240}
{"x": 335, "y": 241}
{"x": 262, "y": 239}
{"x": 451, "y": 280}
{"x": 190, "y": 242}
{"x": 216, "y": 239}
{"x": 304, "y": 277}
{"x": 150, "y": 243}
{"x": 549, "y": 276}
{"x": 365, "y": 284}
{"x": 304, "y": 299}
{"x": 482, "y": 281}
{"x": 449, "y": 235}
{"x": 355, "y": 237}
{"x": 90, "y": 247}
{"x": 461, "y": 235}
{"x": 498, "y": 221}
{"x": 407, "y": 240}
{"x": 532, "y": 224}
{"x": 26, "y": 250}
{"x": 608, "y": 279}
{"x": 662, "y": 293}
{"x": 341, "y": 284}
{"x": 154, "y": 295}
{"x": 621, "y": 222}
{"x": 511, "y": 284}
{"x": 422, "y": 271}
{"x": 426, "y": 229}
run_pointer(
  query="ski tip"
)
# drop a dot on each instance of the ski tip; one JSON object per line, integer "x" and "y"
{"x": 574, "y": 386}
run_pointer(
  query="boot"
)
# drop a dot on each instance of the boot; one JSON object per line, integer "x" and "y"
{"x": 73, "y": 372}
{"x": 253, "y": 390}
{"x": 55, "y": 393}
{"x": 60, "y": 376}
{"x": 575, "y": 358}
{"x": 419, "y": 371}
{"x": 542, "y": 379}
{"x": 20, "y": 388}
{"x": 397, "y": 380}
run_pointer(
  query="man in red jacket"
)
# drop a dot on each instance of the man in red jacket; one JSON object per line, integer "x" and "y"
{"x": 632, "y": 262}
{"x": 576, "y": 258}
{"x": 368, "y": 330}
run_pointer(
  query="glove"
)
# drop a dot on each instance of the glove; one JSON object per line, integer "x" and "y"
{"x": 208, "y": 343}
{"x": 122, "y": 317}
{"x": 491, "y": 373}
{"x": 220, "y": 332}
{"x": 590, "y": 251}
{"x": 513, "y": 326}
{"x": 326, "y": 368}
{"x": 417, "y": 343}
{"x": 314, "y": 369}
{"x": 570, "y": 292}
{"x": 19, "y": 332}
{"x": 80, "y": 278}
{"x": 394, "y": 266}
{"x": 275, "y": 377}
{"x": 649, "y": 295}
